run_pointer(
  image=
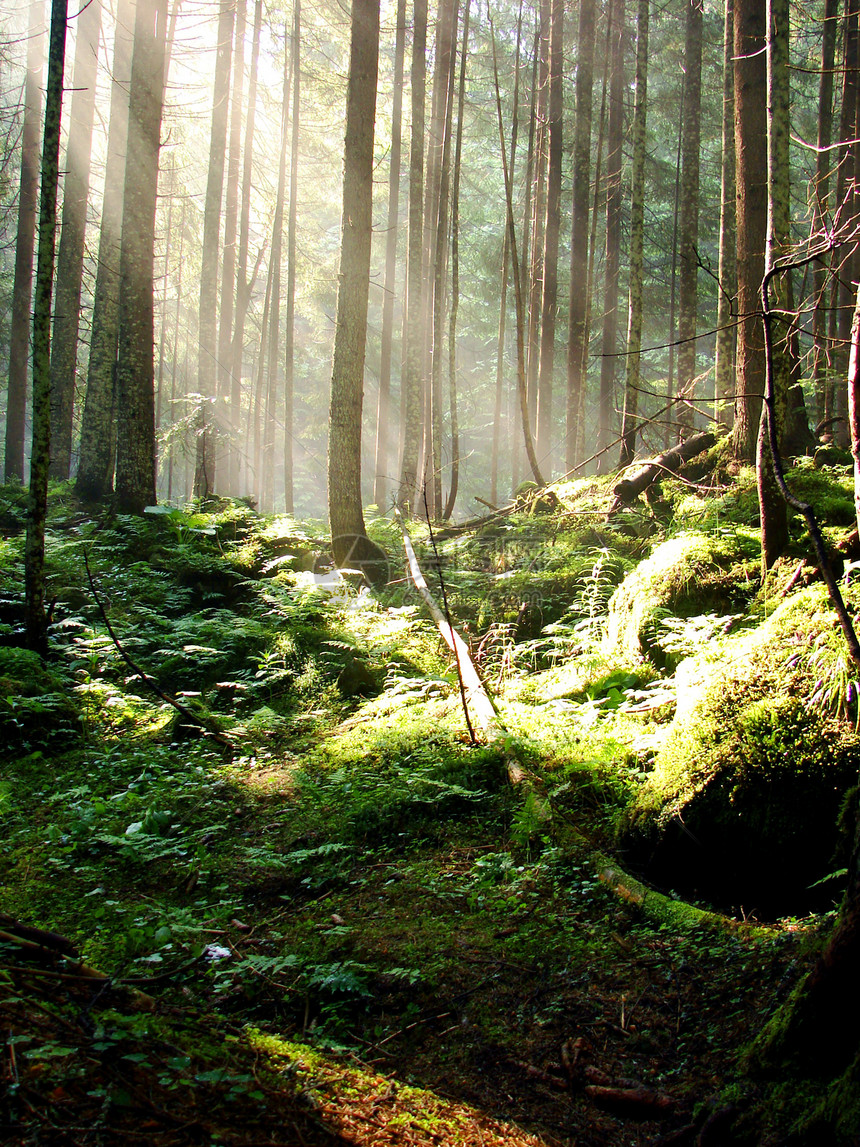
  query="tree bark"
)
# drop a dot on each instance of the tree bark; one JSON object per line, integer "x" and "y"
{"x": 34, "y": 546}
{"x": 290, "y": 318}
{"x": 135, "y": 373}
{"x": 205, "y": 461}
{"x": 413, "y": 362}
{"x": 727, "y": 273}
{"x": 98, "y": 431}
{"x": 751, "y": 175}
{"x": 821, "y": 376}
{"x": 577, "y": 341}
{"x": 350, "y": 545}
{"x": 25, "y": 241}
{"x": 70, "y": 259}
{"x": 688, "y": 254}
{"x": 637, "y": 242}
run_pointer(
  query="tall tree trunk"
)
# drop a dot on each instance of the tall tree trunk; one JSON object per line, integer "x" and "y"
{"x": 227, "y": 292}
{"x": 688, "y": 254}
{"x": 384, "y": 444}
{"x": 822, "y": 379}
{"x": 413, "y": 360}
{"x": 538, "y": 217}
{"x": 70, "y": 260}
{"x": 34, "y": 551}
{"x": 727, "y": 274}
{"x": 273, "y": 355}
{"x": 637, "y": 241}
{"x": 549, "y": 297}
{"x": 244, "y": 287}
{"x": 845, "y": 256}
{"x": 25, "y": 241}
{"x": 205, "y": 461}
{"x": 290, "y": 332}
{"x": 350, "y": 544}
{"x": 751, "y": 175}
{"x": 772, "y": 507}
{"x": 671, "y": 394}
{"x": 135, "y": 374}
{"x": 171, "y": 452}
{"x": 98, "y": 432}
{"x": 455, "y": 276}
{"x": 576, "y": 347}
{"x": 615, "y": 141}
{"x": 515, "y": 276}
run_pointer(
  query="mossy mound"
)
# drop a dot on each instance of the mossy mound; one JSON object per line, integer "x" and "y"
{"x": 744, "y": 796}
{"x": 688, "y": 575}
{"x": 36, "y": 710}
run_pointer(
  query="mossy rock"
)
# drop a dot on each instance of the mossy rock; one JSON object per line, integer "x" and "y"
{"x": 743, "y": 802}
{"x": 688, "y": 575}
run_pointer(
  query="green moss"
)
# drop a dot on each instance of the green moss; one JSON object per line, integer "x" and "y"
{"x": 691, "y": 573}
{"x": 745, "y": 794}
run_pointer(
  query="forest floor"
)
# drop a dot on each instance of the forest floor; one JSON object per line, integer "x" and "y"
{"x": 346, "y": 925}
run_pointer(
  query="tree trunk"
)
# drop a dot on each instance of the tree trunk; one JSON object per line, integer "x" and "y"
{"x": 98, "y": 431}
{"x": 615, "y": 141}
{"x": 538, "y": 216}
{"x": 135, "y": 374}
{"x": 724, "y": 359}
{"x": 413, "y": 360}
{"x": 290, "y": 333}
{"x": 845, "y": 256}
{"x": 25, "y": 240}
{"x": 350, "y": 545}
{"x": 384, "y": 445}
{"x": 204, "y": 469}
{"x": 577, "y": 342}
{"x": 688, "y": 254}
{"x": 228, "y": 288}
{"x": 70, "y": 259}
{"x": 637, "y": 241}
{"x": 552, "y": 226}
{"x": 455, "y": 276}
{"x": 34, "y": 551}
{"x": 751, "y": 174}
{"x": 821, "y": 376}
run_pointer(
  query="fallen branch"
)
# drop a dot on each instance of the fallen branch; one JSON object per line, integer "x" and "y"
{"x": 633, "y": 1103}
{"x": 629, "y": 489}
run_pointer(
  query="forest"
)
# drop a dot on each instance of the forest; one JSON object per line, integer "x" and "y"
{"x": 429, "y": 669}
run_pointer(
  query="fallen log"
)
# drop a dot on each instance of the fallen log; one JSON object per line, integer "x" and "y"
{"x": 628, "y": 489}
{"x": 633, "y": 1103}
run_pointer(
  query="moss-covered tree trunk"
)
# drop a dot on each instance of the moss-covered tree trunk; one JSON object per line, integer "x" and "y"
{"x": 820, "y": 206}
{"x": 135, "y": 372}
{"x": 34, "y": 553}
{"x": 688, "y": 249}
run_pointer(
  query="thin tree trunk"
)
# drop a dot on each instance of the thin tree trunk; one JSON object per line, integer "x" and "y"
{"x": 228, "y": 288}
{"x": 205, "y": 461}
{"x": 673, "y": 282}
{"x": 845, "y": 256}
{"x": 515, "y": 275}
{"x": 751, "y": 173}
{"x": 135, "y": 453}
{"x": 413, "y": 362}
{"x": 821, "y": 376}
{"x": 243, "y": 286}
{"x": 25, "y": 241}
{"x": 688, "y": 296}
{"x": 455, "y": 276}
{"x": 538, "y": 218}
{"x": 70, "y": 259}
{"x": 615, "y": 140}
{"x": 637, "y": 241}
{"x": 98, "y": 431}
{"x": 290, "y": 332}
{"x": 579, "y": 247}
{"x": 171, "y": 451}
{"x": 384, "y": 444}
{"x": 549, "y": 298}
{"x": 34, "y": 551}
{"x": 724, "y": 359}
